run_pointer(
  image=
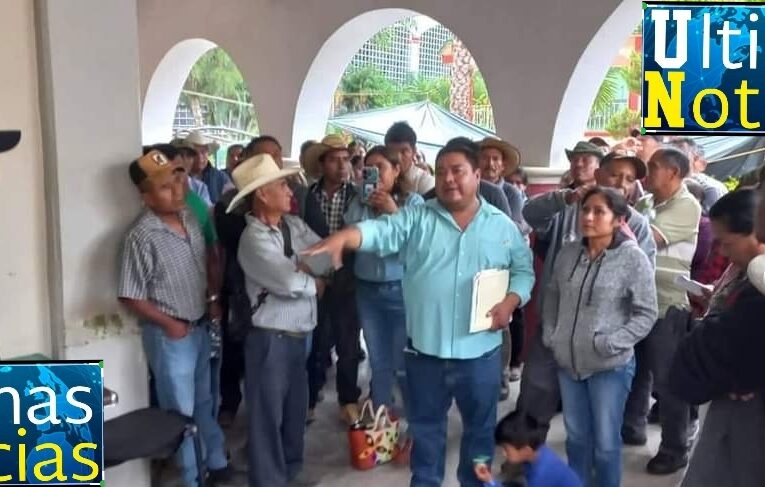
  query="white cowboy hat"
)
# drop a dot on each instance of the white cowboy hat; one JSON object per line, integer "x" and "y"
{"x": 196, "y": 137}
{"x": 255, "y": 172}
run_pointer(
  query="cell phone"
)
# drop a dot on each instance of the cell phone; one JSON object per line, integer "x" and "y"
{"x": 369, "y": 181}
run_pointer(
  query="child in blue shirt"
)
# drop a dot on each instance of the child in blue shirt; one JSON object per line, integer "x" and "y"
{"x": 522, "y": 440}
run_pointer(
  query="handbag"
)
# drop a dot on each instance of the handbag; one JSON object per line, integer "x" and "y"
{"x": 373, "y": 439}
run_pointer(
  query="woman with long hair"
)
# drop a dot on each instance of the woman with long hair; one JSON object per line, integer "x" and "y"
{"x": 379, "y": 295}
{"x": 600, "y": 302}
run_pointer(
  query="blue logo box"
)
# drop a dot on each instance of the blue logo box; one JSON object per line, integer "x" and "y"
{"x": 52, "y": 424}
{"x": 703, "y": 68}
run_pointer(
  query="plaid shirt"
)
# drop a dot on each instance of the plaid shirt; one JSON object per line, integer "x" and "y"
{"x": 333, "y": 208}
{"x": 168, "y": 269}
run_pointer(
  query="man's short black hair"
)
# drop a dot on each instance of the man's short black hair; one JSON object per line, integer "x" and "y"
{"x": 305, "y": 145}
{"x": 670, "y": 156}
{"x": 401, "y": 132}
{"x": 187, "y": 152}
{"x": 737, "y": 210}
{"x": 168, "y": 150}
{"x": 464, "y": 146}
{"x": 520, "y": 172}
{"x": 519, "y": 429}
{"x": 260, "y": 139}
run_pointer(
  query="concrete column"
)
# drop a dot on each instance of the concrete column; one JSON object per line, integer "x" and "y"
{"x": 89, "y": 85}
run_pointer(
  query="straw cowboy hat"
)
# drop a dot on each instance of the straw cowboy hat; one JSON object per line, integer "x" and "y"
{"x": 316, "y": 151}
{"x": 196, "y": 137}
{"x": 255, "y": 172}
{"x": 9, "y": 139}
{"x": 511, "y": 156}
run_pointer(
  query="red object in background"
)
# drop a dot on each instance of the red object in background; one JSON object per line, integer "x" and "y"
{"x": 531, "y": 318}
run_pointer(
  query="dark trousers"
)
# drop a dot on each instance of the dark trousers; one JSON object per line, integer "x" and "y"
{"x": 231, "y": 374}
{"x": 540, "y": 390}
{"x": 655, "y": 353}
{"x": 277, "y": 397}
{"x": 512, "y": 342}
{"x": 338, "y": 325}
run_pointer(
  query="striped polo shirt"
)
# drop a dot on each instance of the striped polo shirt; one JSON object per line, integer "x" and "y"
{"x": 677, "y": 221}
{"x": 166, "y": 268}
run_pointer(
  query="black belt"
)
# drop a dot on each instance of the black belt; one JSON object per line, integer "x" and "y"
{"x": 198, "y": 322}
{"x": 291, "y": 334}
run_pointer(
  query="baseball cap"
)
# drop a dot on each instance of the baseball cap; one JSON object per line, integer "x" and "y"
{"x": 150, "y": 166}
{"x": 629, "y": 156}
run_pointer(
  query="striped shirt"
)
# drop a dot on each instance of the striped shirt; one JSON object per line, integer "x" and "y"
{"x": 163, "y": 267}
{"x": 677, "y": 221}
{"x": 291, "y": 301}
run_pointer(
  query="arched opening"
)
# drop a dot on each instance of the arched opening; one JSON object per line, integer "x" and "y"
{"x": 197, "y": 86}
{"x": 586, "y": 80}
{"x": 390, "y": 65}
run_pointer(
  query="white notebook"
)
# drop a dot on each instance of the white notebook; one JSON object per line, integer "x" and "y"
{"x": 489, "y": 289}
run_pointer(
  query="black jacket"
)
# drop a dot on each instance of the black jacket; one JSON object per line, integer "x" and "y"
{"x": 314, "y": 218}
{"x": 723, "y": 354}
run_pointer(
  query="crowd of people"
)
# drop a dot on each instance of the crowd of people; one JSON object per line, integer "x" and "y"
{"x": 267, "y": 273}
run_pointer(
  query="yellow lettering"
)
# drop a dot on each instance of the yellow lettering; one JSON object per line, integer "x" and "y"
{"x": 5, "y": 478}
{"x": 58, "y": 460}
{"x": 85, "y": 461}
{"x": 723, "y": 110}
{"x": 744, "y": 93}
{"x": 22, "y": 457}
{"x": 658, "y": 95}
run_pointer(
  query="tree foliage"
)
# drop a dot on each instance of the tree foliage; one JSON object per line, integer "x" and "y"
{"x": 620, "y": 124}
{"x": 216, "y": 74}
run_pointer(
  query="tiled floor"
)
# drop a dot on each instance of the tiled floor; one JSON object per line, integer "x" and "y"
{"x": 327, "y": 463}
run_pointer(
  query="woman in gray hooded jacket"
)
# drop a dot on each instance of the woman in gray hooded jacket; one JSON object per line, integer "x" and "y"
{"x": 600, "y": 301}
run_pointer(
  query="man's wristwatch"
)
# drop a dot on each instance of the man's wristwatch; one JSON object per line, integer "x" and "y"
{"x": 212, "y": 298}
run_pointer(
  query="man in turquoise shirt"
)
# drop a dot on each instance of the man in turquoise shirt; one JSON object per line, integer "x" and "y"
{"x": 443, "y": 244}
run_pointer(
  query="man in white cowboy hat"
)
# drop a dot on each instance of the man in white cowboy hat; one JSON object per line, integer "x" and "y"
{"x": 283, "y": 292}
{"x": 324, "y": 210}
{"x": 216, "y": 180}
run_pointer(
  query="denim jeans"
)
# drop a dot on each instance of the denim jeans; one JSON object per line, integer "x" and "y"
{"x": 593, "y": 410}
{"x": 182, "y": 374}
{"x": 433, "y": 384}
{"x": 383, "y": 319}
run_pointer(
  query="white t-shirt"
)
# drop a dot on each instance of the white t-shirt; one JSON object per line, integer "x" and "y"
{"x": 420, "y": 180}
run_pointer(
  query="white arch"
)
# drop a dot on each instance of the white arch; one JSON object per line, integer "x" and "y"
{"x": 315, "y": 100}
{"x": 588, "y": 75}
{"x": 165, "y": 87}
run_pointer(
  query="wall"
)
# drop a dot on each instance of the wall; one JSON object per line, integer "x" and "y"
{"x": 88, "y": 64}
{"x": 527, "y": 51}
{"x": 23, "y": 295}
